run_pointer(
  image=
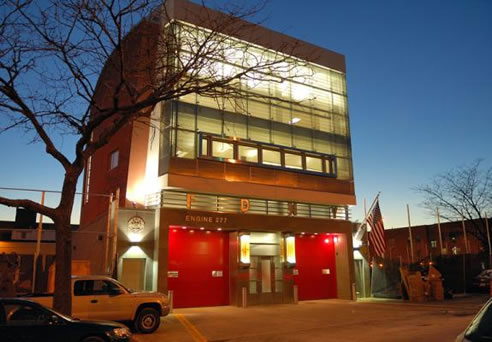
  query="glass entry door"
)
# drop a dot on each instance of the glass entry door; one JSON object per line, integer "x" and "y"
{"x": 265, "y": 280}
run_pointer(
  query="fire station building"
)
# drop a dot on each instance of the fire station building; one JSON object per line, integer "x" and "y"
{"x": 226, "y": 205}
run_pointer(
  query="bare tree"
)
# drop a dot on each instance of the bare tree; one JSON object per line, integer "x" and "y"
{"x": 463, "y": 191}
{"x": 89, "y": 67}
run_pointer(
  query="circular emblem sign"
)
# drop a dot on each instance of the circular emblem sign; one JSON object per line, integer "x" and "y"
{"x": 136, "y": 224}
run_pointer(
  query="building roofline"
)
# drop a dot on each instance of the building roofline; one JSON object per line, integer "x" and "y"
{"x": 194, "y": 14}
{"x": 443, "y": 224}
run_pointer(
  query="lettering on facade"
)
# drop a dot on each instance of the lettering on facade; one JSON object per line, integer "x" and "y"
{"x": 205, "y": 219}
{"x": 334, "y": 211}
{"x": 244, "y": 205}
{"x": 292, "y": 209}
{"x": 189, "y": 200}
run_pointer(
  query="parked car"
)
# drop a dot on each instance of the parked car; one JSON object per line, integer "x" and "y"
{"x": 483, "y": 279}
{"x": 480, "y": 328}
{"x": 23, "y": 320}
{"x": 100, "y": 297}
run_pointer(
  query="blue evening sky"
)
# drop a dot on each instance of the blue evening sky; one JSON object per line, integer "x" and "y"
{"x": 419, "y": 79}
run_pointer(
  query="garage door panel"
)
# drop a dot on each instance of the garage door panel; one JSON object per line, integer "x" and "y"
{"x": 195, "y": 254}
{"x": 315, "y": 257}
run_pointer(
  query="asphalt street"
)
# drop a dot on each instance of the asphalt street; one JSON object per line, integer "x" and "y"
{"x": 323, "y": 320}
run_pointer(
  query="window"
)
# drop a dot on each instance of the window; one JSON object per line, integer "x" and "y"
{"x": 293, "y": 161}
{"x": 222, "y": 149}
{"x": 24, "y": 315}
{"x": 271, "y": 157}
{"x": 248, "y": 153}
{"x": 94, "y": 287}
{"x": 113, "y": 160}
{"x": 204, "y": 148}
{"x": 314, "y": 164}
{"x": 255, "y": 152}
{"x": 88, "y": 179}
{"x": 185, "y": 144}
{"x": 209, "y": 120}
{"x": 434, "y": 244}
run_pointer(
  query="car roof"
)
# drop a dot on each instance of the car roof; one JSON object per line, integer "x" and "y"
{"x": 90, "y": 277}
{"x": 16, "y": 301}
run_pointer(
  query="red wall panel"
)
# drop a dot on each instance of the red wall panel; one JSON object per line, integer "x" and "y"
{"x": 313, "y": 254}
{"x": 195, "y": 253}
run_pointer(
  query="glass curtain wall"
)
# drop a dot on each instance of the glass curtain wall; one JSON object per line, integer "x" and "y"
{"x": 305, "y": 110}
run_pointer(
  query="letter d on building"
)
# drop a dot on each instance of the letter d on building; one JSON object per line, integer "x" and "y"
{"x": 244, "y": 206}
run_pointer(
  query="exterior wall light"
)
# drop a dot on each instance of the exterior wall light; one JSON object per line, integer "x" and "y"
{"x": 244, "y": 249}
{"x": 290, "y": 249}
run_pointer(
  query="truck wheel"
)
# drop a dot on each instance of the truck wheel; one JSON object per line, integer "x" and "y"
{"x": 147, "y": 320}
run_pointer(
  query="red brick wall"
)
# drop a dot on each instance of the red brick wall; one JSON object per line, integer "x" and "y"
{"x": 398, "y": 245}
{"x": 139, "y": 53}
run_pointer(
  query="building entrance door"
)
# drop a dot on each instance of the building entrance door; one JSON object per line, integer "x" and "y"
{"x": 133, "y": 273}
{"x": 265, "y": 280}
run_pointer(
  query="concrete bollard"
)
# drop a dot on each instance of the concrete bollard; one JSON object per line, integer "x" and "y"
{"x": 170, "y": 297}
{"x": 244, "y": 292}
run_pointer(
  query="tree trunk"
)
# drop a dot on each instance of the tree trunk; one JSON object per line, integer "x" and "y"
{"x": 62, "y": 298}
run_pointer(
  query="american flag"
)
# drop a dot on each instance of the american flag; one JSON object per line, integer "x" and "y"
{"x": 376, "y": 236}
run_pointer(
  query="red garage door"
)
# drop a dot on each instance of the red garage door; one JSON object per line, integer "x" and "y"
{"x": 315, "y": 261}
{"x": 198, "y": 267}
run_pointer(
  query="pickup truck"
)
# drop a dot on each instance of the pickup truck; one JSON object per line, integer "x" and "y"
{"x": 103, "y": 298}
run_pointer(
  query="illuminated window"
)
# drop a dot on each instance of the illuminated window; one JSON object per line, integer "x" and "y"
{"x": 222, "y": 149}
{"x": 204, "y": 151}
{"x": 248, "y": 153}
{"x": 113, "y": 160}
{"x": 185, "y": 144}
{"x": 271, "y": 157}
{"x": 293, "y": 161}
{"x": 314, "y": 164}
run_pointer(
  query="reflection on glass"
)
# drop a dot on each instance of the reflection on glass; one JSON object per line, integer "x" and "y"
{"x": 271, "y": 157}
{"x": 293, "y": 161}
{"x": 266, "y": 276}
{"x": 314, "y": 164}
{"x": 248, "y": 153}
{"x": 185, "y": 144}
{"x": 222, "y": 149}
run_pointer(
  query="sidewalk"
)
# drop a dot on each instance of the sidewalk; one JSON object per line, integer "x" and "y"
{"x": 460, "y": 303}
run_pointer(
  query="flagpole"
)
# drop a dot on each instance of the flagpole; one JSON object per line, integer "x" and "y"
{"x": 439, "y": 229}
{"x": 367, "y": 232}
{"x": 488, "y": 239}
{"x": 410, "y": 233}
{"x": 358, "y": 235}
{"x": 466, "y": 252}
{"x": 464, "y": 234}
{"x": 370, "y": 208}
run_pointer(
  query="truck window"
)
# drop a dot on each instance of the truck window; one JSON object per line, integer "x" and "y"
{"x": 104, "y": 287}
{"x": 94, "y": 287}
{"x": 83, "y": 288}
